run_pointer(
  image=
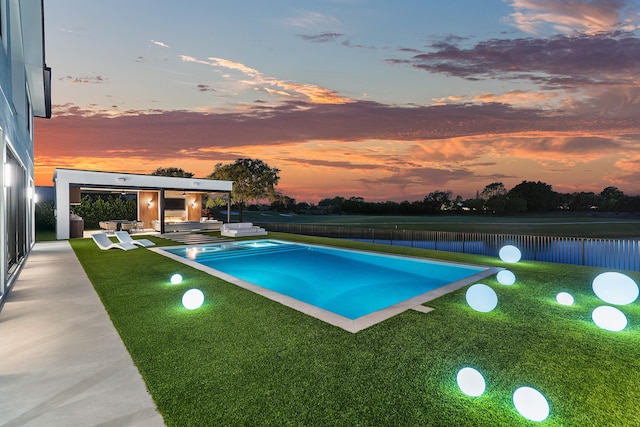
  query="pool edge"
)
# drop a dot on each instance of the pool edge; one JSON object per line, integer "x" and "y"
{"x": 349, "y": 325}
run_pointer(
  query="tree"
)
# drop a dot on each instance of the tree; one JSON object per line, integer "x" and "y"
{"x": 583, "y": 201}
{"x": 45, "y": 216}
{"x": 283, "y": 203}
{"x": 438, "y": 201}
{"x": 494, "y": 189}
{"x": 538, "y": 195}
{"x": 252, "y": 180}
{"x": 96, "y": 208}
{"x": 612, "y": 199}
{"x": 174, "y": 172}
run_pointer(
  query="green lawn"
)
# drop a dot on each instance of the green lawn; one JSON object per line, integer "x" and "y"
{"x": 556, "y": 224}
{"x": 242, "y": 359}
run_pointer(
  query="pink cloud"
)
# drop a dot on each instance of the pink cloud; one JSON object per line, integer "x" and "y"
{"x": 567, "y": 16}
{"x": 379, "y": 149}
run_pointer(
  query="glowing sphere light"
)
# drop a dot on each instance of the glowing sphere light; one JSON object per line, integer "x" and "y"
{"x": 609, "y": 318}
{"x": 531, "y": 404}
{"x": 481, "y": 298}
{"x": 615, "y": 288}
{"x": 565, "y": 298}
{"x": 510, "y": 254}
{"x": 471, "y": 382}
{"x": 506, "y": 277}
{"x": 175, "y": 279}
{"x": 192, "y": 299}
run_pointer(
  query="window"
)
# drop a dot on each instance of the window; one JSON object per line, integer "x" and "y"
{"x": 16, "y": 211}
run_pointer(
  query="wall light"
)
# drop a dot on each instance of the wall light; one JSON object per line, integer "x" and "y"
{"x": 194, "y": 204}
{"x": 149, "y": 203}
{"x": 7, "y": 175}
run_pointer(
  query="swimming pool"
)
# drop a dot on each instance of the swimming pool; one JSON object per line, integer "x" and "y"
{"x": 350, "y": 287}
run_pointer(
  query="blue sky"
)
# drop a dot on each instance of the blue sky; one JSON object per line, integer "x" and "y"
{"x": 379, "y": 99}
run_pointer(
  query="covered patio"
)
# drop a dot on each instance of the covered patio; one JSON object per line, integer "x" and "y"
{"x": 164, "y": 203}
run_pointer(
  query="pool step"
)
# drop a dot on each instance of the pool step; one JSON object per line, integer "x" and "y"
{"x": 240, "y": 251}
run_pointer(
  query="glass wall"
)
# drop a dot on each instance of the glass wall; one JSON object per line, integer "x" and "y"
{"x": 16, "y": 212}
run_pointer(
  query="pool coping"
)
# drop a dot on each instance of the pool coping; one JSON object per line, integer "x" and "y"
{"x": 349, "y": 325}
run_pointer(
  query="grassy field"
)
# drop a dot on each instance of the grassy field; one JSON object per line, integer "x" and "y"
{"x": 569, "y": 225}
{"x": 242, "y": 359}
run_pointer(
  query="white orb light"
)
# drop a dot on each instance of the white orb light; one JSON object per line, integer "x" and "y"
{"x": 531, "y": 404}
{"x": 510, "y": 254}
{"x": 471, "y": 382}
{"x": 506, "y": 277}
{"x": 609, "y": 318}
{"x": 481, "y": 298}
{"x": 615, "y": 288}
{"x": 565, "y": 298}
{"x": 176, "y": 279}
{"x": 192, "y": 299}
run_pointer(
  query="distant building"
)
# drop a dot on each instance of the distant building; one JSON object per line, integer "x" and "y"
{"x": 25, "y": 93}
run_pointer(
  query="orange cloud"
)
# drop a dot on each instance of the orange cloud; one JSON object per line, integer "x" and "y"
{"x": 367, "y": 149}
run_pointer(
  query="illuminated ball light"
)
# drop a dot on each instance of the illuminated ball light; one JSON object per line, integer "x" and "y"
{"x": 609, "y": 318}
{"x": 471, "y": 382}
{"x": 506, "y": 277}
{"x": 510, "y": 254}
{"x": 531, "y": 404}
{"x": 192, "y": 299}
{"x": 481, "y": 298}
{"x": 175, "y": 279}
{"x": 615, "y": 288}
{"x": 565, "y": 298}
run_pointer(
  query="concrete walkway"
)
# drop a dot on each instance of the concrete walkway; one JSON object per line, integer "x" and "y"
{"x": 62, "y": 363}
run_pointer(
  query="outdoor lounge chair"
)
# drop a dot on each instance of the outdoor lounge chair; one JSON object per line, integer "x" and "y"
{"x": 124, "y": 237}
{"x": 104, "y": 242}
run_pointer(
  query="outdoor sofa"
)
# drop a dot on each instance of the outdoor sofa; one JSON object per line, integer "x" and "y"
{"x": 241, "y": 229}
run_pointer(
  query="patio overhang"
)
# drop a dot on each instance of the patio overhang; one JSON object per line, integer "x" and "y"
{"x": 68, "y": 180}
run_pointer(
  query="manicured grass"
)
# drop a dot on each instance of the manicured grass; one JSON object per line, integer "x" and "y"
{"x": 242, "y": 359}
{"x": 45, "y": 235}
{"x": 563, "y": 225}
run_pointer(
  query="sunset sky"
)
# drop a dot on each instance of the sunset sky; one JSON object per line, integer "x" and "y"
{"x": 379, "y": 99}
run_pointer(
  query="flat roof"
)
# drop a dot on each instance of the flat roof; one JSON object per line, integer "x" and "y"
{"x": 97, "y": 179}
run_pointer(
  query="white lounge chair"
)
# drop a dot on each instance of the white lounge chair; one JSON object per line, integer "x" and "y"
{"x": 104, "y": 242}
{"x": 124, "y": 237}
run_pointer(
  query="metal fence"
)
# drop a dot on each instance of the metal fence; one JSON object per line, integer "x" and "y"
{"x": 623, "y": 254}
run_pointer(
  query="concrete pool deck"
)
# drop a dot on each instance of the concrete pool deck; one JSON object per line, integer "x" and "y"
{"x": 62, "y": 363}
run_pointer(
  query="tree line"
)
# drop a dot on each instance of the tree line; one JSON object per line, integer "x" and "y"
{"x": 526, "y": 197}
{"x": 254, "y": 181}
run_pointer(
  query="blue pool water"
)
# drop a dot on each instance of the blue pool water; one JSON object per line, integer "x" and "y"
{"x": 349, "y": 283}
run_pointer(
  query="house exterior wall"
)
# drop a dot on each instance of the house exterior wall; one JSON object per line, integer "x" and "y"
{"x": 21, "y": 53}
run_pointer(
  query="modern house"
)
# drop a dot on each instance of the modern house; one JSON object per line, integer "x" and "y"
{"x": 25, "y": 93}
